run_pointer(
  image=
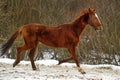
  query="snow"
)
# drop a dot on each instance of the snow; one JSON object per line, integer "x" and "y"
{"x": 49, "y": 70}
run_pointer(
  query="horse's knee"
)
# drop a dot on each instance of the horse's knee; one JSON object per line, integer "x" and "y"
{"x": 32, "y": 53}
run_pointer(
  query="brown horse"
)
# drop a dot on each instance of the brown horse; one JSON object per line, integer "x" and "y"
{"x": 62, "y": 36}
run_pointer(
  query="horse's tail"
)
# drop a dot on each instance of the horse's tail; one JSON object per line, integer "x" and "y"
{"x": 6, "y": 46}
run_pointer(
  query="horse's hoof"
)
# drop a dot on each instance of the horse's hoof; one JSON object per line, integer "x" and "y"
{"x": 59, "y": 62}
{"x": 15, "y": 63}
{"x": 81, "y": 70}
{"x": 34, "y": 68}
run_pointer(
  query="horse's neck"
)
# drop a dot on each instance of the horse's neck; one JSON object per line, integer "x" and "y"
{"x": 79, "y": 26}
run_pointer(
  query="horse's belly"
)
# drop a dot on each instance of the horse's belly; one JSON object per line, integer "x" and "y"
{"x": 52, "y": 43}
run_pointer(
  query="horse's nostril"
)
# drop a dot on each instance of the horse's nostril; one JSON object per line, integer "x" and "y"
{"x": 99, "y": 28}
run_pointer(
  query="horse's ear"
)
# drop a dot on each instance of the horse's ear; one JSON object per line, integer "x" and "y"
{"x": 94, "y": 10}
{"x": 89, "y": 9}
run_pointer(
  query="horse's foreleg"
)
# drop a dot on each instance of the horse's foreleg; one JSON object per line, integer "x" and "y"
{"x": 72, "y": 51}
{"x": 65, "y": 60}
{"x": 31, "y": 57}
{"x": 19, "y": 50}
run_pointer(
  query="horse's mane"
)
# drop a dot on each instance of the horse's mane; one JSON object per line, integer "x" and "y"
{"x": 81, "y": 13}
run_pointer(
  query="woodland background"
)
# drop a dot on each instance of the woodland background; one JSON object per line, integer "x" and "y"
{"x": 94, "y": 48}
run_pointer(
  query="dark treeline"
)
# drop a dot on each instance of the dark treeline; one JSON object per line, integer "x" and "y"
{"x": 94, "y": 48}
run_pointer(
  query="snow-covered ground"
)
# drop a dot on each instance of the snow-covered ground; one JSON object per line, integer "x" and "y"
{"x": 49, "y": 70}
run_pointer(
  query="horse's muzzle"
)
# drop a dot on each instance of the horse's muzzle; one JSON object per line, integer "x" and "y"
{"x": 99, "y": 28}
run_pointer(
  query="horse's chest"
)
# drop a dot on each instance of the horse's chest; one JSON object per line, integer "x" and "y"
{"x": 71, "y": 39}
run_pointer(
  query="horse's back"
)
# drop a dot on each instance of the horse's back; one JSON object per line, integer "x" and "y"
{"x": 51, "y": 36}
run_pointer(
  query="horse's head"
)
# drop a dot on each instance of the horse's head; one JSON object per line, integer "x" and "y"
{"x": 94, "y": 20}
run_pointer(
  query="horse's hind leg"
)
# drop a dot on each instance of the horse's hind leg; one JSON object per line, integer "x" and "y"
{"x": 19, "y": 50}
{"x": 31, "y": 56}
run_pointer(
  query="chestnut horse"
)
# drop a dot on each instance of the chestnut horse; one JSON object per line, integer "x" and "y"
{"x": 62, "y": 36}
